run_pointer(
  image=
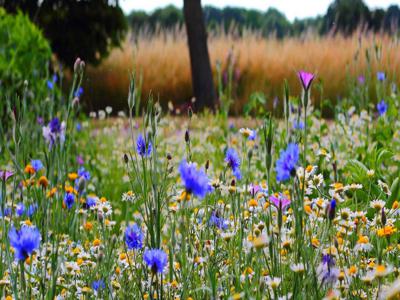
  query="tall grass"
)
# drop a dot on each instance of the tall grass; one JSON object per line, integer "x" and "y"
{"x": 260, "y": 65}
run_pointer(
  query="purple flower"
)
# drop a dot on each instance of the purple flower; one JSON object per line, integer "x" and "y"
{"x": 24, "y": 241}
{"x": 55, "y": 125}
{"x": 4, "y": 174}
{"x": 143, "y": 149}
{"x": 326, "y": 271}
{"x": 53, "y": 131}
{"x": 196, "y": 181}
{"x": 381, "y": 76}
{"x": 156, "y": 259}
{"x": 233, "y": 161}
{"x": 382, "y": 107}
{"x": 361, "y": 79}
{"x": 79, "y": 160}
{"x": 280, "y": 202}
{"x": 286, "y": 164}
{"x": 134, "y": 237}
{"x": 305, "y": 79}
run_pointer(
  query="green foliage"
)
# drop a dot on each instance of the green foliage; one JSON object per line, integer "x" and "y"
{"x": 87, "y": 29}
{"x": 24, "y": 52}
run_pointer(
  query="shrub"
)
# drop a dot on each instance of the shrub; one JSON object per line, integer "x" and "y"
{"x": 24, "y": 51}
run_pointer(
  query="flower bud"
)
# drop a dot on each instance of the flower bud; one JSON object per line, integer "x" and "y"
{"x": 77, "y": 65}
{"x": 187, "y": 136}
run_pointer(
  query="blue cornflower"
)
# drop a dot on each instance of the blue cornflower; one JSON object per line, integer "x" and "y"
{"x": 20, "y": 209}
{"x": 79, "y": 92}
{"x": 55, "y": 129}
{"x": 98, "y": 285}
{"x": 78, "y": 127}
{"x": 24, "y": 241}
{"x": 298, "y": 125}
{"x": 233, "y": 161}
{"x": 7, "y": 212}
{"x": 332, "y": 209}
{"x": 141, "y": 147}
{"x": 31, "y": 209}
{"x": 83, "y": 173}
{"x": 55, "y": 125}
{"x": 91, "y": 201}
{"x": 381, "y": 76}
{"x": 252, "y": 136}
{"x": 286, "y": 164}
{"x": 156, "y": 259}
{"x": 218, "y": 222}
{"x": 326, "y": 271}
{"x": 382, "y": 107}
{"x": 69, "y": 200}
{"x": 196, "y": 181}
{"x": 36, "y": 164}
{"x": 134, "y": 237}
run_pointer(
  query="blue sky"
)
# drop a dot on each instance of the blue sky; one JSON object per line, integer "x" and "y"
{"x": 292, "y": 8}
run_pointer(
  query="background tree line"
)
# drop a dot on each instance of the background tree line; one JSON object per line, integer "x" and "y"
{"x": 342, "y": 16}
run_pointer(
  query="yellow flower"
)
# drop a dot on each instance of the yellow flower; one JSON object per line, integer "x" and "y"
{"x": 43, "y": 181}
{"x": 388, "y": 230}
{"x": 52, "y": 192}
{"x": 253, "y": 203}
{"x": 363, "y": 239}
{"x": 352, "y": 270}
{"x": 96, "y": 242}
{"x": 395, "y": 205}
{"x": 72, "y": 176}
{"x": 315, "y": 242}
{"x": 88, "y": 226}
{"x": 29, "y": 169}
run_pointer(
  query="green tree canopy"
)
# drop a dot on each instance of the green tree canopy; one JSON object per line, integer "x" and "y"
{"x": 76, "y": 28}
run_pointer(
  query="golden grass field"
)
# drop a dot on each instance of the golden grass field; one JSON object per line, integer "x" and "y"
{"x": 261, "y": 64}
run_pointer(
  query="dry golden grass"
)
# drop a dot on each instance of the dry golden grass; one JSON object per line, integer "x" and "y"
{"x": 263, "y": 64}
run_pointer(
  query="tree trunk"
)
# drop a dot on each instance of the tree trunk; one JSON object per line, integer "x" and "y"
{"x": 202, "y": 80}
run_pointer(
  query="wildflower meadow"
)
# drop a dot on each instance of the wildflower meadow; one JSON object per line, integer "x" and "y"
{"x": 147, "y": 203}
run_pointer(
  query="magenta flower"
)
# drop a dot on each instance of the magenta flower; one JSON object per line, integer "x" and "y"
{"x": 306, "y": 79}
{"x": 4, "y": 174}
{"x": 280, "y": 202}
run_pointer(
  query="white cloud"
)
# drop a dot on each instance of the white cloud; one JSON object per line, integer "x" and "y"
{"x": 291, "y": 8}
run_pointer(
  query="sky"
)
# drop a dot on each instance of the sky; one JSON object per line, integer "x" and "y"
{"x": 291, "y": 8}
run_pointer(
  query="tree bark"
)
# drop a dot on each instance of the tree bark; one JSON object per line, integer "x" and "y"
{"x": 202, "y": 79}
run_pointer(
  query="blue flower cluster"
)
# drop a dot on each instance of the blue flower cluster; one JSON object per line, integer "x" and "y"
{"x": 286, "y": 164}
{"x": 24, "y": 241}
{"x": 233, "y": 161}
{"x": 134, "y": 237}
{"x": 156, "y": 259}
{"x": 196, "y": 181}
{"x": 143, "y": 149}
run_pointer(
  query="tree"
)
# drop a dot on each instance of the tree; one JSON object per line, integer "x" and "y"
{"x": 345, "y": 16}
{"x": 391, "y": 21}
{"x": 76, "y": 28}
{"x": 202, "y": 80}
